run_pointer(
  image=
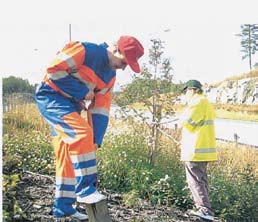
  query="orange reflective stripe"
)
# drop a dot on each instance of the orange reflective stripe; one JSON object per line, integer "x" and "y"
{"x": 56, "y": 65}
{"x": 76, "y": 51}
{"x": 88, "y": 84}
{"x": 69, "y": 59}
{"x": 103, "y": 101}
{"x": 89, "y": 75}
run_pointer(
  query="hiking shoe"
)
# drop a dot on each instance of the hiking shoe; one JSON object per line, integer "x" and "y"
{"x": 201, "y": 214}
{"x": 79, "y": 216}
{"x": 92, "y": 198}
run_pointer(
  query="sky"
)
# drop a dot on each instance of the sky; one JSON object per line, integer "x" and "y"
{"x": 199, "y": 36}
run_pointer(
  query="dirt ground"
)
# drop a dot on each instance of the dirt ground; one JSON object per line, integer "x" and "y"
{"x": 36, "y": 194}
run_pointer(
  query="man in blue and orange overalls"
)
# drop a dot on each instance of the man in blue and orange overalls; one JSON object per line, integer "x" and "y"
{"x": 81, "y": 71}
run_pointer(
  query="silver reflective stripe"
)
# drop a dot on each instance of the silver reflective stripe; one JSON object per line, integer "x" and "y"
{"x": 62, "y": 193}
{"x": 105, "y": 90}
{"x": 83, "y": 157}
{"x": 201, "y": 123}
{"x": 205, "y": 150}
{"x": 85, "y": 171}
{"x": 69, "y": 140}
{"x": 101, "y": 111}
{"x": 68, "y": 59}
{"x": 208, "y": 122}
{"x": 89, "y": 85}
{"x": 67, "y": 181}
{"x": 57, "y": 75}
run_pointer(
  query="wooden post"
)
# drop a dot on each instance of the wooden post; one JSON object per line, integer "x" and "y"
{"x": 236, "y": 137}
{"x": 98, "y": 212}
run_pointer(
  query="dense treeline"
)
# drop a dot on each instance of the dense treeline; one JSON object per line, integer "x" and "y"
{"x": 16, "y": 85}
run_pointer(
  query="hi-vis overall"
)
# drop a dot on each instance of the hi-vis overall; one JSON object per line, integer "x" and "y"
{"x": 78, "y": 68}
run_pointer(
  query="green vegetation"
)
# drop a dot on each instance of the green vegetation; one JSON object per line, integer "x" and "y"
{"x": 237, "y": 112}
{"x": 141, "y": 89}
{"x": 16, "y": 85}
{"x": 249, "y": 40}
{"x": 124, "y": 167}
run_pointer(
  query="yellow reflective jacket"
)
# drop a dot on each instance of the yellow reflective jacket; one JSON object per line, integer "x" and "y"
{"x": 198, "y": 133}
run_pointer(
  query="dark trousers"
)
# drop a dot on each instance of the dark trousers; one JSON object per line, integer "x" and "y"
{"x": 196, "y": 176}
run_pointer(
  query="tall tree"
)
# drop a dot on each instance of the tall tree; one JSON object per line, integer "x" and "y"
{"x": 249, "y": 41}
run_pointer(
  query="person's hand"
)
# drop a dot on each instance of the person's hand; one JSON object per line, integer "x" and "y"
{"x": 90, "y": 95}
{"x": 96, "y": 146}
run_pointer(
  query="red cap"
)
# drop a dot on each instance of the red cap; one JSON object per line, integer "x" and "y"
{"x": 132, "y": 50}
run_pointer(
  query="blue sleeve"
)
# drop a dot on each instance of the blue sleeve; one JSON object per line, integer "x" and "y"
{"x": 100, "y": 123}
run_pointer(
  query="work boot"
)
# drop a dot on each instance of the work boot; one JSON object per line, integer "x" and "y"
{"x": 79, "y": 216}
{"x": 92, "y": 198}
{"x": 203, "y": 214}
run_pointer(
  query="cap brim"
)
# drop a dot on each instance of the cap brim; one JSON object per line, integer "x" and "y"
{"x": 185, "y": 87}
{"x": 134, "y": 66}
{"x": 132, "y": 62}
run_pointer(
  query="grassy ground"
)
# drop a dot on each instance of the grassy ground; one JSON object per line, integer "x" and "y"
{"x": 124, "y": 167}
{"x": 237, "y": 112}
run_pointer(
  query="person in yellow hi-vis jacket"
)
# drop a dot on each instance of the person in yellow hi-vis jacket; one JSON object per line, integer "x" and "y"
{"x": 198, "y": 146}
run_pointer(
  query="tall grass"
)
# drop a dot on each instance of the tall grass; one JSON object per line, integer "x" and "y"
{"x": 237, "y": 112}
{"x": 123, "y": 165}
{"x": 25, "y": 116}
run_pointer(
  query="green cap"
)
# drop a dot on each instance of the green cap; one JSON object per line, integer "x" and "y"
{"x": 193, "y": 84}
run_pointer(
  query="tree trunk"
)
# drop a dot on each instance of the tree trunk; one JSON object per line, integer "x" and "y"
{"x": 249, "y": 47}
{"x": 153, "y": 130}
